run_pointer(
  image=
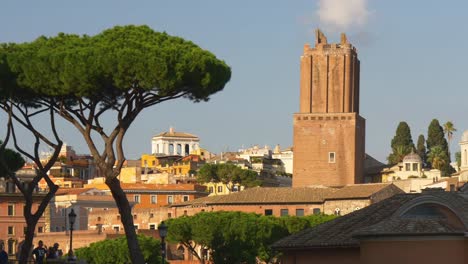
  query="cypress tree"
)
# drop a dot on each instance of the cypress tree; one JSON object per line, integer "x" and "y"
{"x": 421, "y": 149}
{"x": 436, "y": 137}
{"x": 401, "y": 144}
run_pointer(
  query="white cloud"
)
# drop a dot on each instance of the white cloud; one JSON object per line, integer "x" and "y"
{"x": 343, "y": 14}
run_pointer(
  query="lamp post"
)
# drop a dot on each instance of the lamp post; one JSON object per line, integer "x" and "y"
{"x": 162, "y": 229}
{"x": 71, "y": 218}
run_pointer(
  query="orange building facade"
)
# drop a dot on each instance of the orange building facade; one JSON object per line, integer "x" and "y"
{"x": 329, "y": 133}
{"x": 12, "y": 222}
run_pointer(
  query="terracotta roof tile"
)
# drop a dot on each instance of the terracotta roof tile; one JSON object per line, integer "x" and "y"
{"x": 409, "y": 226}
{"x": 358, "y": 190}
{"x": 281, "y": 195}
{"x": 382, "y": 219}
{"x": 176, "y": 135}
{"x": 339, "y": 231}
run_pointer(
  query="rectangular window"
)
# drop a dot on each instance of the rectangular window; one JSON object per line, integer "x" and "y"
{"x": 11, "y": 246}
{"x": 235, "y": 188}
{"x": 170, "y": 199}
{"x": 220, "y": 189}
{"x": 136, "y": 227}
{"x": 11, "y": 230}
{"x": 299, "y": 212}
{"x": 186, "y": 198}
{"x": 154, "y": 199}
{"x": 185, "y": 212}
{"x": 11, "y": 209}
{"x": 268, "y": 211}
{"x": 331, "y": 157}
{"x": 40, "y": 229}
{"x": 116, "y": 228}
{"x": 316, "y": 211}
{"x": 284, "y": 212}
{"x": 152, "y": 227}
{"x": 210, "y": 190}
{"x": 136, "y": 198}
{"x": 407, "y": 166}
{"x": 415, "y": 166}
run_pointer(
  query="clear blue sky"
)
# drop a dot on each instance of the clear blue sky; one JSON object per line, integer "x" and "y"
{"x": 413, "y": 62}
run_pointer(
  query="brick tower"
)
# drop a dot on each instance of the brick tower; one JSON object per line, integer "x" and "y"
{"x": 329, "y": 133}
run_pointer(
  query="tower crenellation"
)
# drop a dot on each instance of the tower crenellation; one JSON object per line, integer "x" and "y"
{"x": 329, "y": 133}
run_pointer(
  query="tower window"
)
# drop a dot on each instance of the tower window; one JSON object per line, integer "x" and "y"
{"x": 331, "y": 157}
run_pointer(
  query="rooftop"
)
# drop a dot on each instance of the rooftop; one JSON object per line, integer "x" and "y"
{"x": 401, "y": 214}
{"x": 264, "y": 195}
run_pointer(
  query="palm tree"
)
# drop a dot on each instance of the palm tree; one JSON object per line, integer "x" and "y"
{"x": 399, "y": 153}
{"x": 437, "y": 157}
{"x": 448, "y": 130}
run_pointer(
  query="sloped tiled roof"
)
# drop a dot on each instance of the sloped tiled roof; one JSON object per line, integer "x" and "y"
{"x": 72, "y": 191}
{"x": 283, "y": 195}
{"x": 357, "y": 191}
{"x": 339, "y": 232}
{"x": 409, "y": 226}
{"x": 261, "y": 195}
{"x": 176, "y": 135}
{"x": 383, "y": 218}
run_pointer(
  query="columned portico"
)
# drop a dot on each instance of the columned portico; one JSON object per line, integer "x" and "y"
{"x": 174, "y": 143}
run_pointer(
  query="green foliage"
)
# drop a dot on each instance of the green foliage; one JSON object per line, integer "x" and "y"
{"x": 228, "y": 174}
{"x": 113, "y": 75}
{"x": 421, "y": 149}
{"x": 402, "y": 143}
{"x": 108, "y": 64}
{"x": 235, "y": 237}
{"x": 13, "y": 160}
{"x": 115, "y": 251}
{"x": 449, "y": 128}
{"x": 436, "y": 138}
{"x": 458, "y": 158}
{"x": 438, "y": 157}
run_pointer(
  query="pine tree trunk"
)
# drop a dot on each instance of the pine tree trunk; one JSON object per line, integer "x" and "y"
{"x": 126, "y": 217}
{"x": 27, "y": 246}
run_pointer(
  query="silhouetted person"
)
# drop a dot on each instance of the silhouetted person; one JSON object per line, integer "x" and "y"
{"x": 3, "y": 255}
{"x": 39, "y": 253}
{"x": 54, "y": 252}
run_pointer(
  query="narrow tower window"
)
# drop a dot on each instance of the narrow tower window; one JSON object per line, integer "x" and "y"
{"x": 331, "y": 157}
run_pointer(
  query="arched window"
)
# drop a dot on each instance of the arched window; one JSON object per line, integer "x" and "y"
{"x": 187, "y": 149}
{"x": 179, "y": 149}
{"x": 181, "y": 253}
{"x": 337, "y": 211}
{"x": 171, "y": 149}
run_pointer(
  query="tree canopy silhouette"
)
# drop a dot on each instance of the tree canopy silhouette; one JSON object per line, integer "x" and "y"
{"x": 113, "y": 75}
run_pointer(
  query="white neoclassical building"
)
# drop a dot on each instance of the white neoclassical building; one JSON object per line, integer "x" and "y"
{"x": 174, "y": 143}
{"x": 464, "y": 151}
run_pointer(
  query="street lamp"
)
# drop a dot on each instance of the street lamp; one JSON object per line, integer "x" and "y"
{"x": 71, "y": 218}
{"x": 162, "y": 229}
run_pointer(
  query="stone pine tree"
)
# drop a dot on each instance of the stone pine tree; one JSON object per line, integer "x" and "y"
{"x": 401, "y": 144}
{"x": 20, "y": 114}
{"x": 436, "y": 138}
{"x": 113, "y": 76}
{"x": 421, "y": 149}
